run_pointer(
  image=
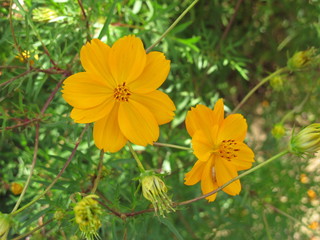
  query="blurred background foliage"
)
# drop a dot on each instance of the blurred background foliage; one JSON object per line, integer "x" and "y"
{"x": 219, "y": 49}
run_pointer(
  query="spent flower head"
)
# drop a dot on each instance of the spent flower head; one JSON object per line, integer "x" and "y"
{"x": 87, "y": 215}
{"x": 303, "y": 59}
{"x": 5, "y": 222}
{"x": 155, "y": 190}
{"x": 307, "y": 141}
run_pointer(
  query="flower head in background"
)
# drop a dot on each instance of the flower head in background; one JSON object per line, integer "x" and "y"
{"x": 16, "y": 188}
{"x": 87, "y": 215}
{"x": 118, "y": 92}
{"x": 218, "y": 144}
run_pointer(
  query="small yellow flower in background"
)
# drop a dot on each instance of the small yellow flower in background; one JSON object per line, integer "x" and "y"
{"x": 26, "y": 56}
{"x": 278, "y": 131}
{"x": 312, "y": 194}
{"x": 307, "y": 141}
{"x": 118, "y": 93}
{"x": 155, "y": 190}
{"x": 5, "y": 222}
{"x": 16, "y": 188}
{"x": 314, "y": 225}
{"x": 277, "y": 83}
{"x": 218, "y": 144}
{"x": 87, "y": 214}
{"x": 304, "y": 178}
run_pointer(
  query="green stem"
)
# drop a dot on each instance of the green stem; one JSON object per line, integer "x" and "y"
{"x": 33, "y": 230}
{"x": 266, "y": 79}
{"x": 34, "y": 160}
{"x": 135, "y": 156}
{"x": 96, "y": 181}
{"x": 171, "y": 146}
{"x": 296, "y": 109}
{"x": 57, "y": 177}
{"x": 236, "y": 178}
{"x": 172, "y": 25}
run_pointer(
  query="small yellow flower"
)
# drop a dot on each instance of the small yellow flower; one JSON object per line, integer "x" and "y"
{"x": 5, "y": 222}
{"x": 25, "y": 56}
{"x": 277, "y": 83}
{"x": 218, "y": 144}
{"x": 314, "y": 225}
{"x": 155, "y": 190}
{"x": 16, "y": 188}
{"x": 304, "y": 178}
{"x": 307, "y": 141}
{"x": 312, "y": 194}
{"x": 118, "y": 93}
{"x": 87, "y": 215}
{"x": 278, "y": 131}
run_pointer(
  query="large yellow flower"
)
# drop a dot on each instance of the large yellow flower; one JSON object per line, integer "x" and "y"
{"x": 218, "y": 144}
{"x": 118, "y": 93}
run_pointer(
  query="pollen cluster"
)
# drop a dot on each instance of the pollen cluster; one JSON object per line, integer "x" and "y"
{"x": 121, "y": 93}
{"x": 228, "y": 149}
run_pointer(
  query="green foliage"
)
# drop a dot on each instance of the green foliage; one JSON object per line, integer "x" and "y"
{"x": 217, "y": 50}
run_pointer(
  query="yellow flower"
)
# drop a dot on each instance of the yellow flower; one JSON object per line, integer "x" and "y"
{"x": 314, "y": 225}
{"x": 304, "y": 178}
{"x": 118, "y": 93}
{"x": 218, "y": 144}
{"x": 312, "y": 194}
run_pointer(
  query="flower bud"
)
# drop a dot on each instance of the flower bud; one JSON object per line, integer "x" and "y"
{"x": 87, "y": 215}
{"x": 4, "y": 225}
{"x": 307, "y": 141}
{"x": 277, "y": 83}
{"x": 155, "y": 190}
{"x": 302, "y": 59}
{"x": 278, "y": 131}
{"x": 16, "y": 188}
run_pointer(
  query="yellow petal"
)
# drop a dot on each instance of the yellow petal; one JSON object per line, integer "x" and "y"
{"x": 233, "y": 127}
{"x": 107, "y": 134}
{"x": 218, "y": 112}
{"x": 94, "y": 58}
{"x": 208, "y": 182}
{"x": 158, "y": 103}
{"x": 203, "y": 143}
{"x": 89, "y": 115}
{"x": 85, "y": 90}
{"x": 225, "y": 171}
{"x": 154, "y": 74}
{"x": 245, "y": 157}
{"x": 127, "y": 59}
{"x": 137, "y": 123}
{"x": 199, "y": 118}
{"x": 195, "y": 173}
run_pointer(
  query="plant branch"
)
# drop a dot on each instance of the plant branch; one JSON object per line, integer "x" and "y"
{"x": 57, "y": 177}
{"x": 171, "y": 146}
{"x": 96, "y": 181}
{"x": 135, "y": 156}
{"x": 33, "y": 230}
{"x": 85, "y": 19}
{"x": 172, "y": 25}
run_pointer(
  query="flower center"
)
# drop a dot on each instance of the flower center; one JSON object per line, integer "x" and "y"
{"x": 228, "y": 149}
{"x": 121, "y": 93}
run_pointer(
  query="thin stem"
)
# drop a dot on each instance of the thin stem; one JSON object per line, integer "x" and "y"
{"x": 171, "y": 146}
{"x": 57, "y": 177}
{"x": 266, "y": 79}
{"x": 34, "y": 160}
{"x": 172, "y": 25}
{"x": 85, "y": 19}
{"x": 296, "y": 109}
{"x": 50, "y": 98}
{"x": 33, "y": 230}
{"x": 234, "y": 179}
{"x": 135, "y": 156}
{"x": 16, "y": 77}
{"x": 96, "y": 181}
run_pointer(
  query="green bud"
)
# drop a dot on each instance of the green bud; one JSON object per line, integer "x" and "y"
{"x": 302, "y": 59}
{"x": 5, "y": 222}
{"x": 307, "y": 141}
{"x": 278, "y": 131}
{"x": 277, "y": 83}
{"x": 155, "y": 190}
